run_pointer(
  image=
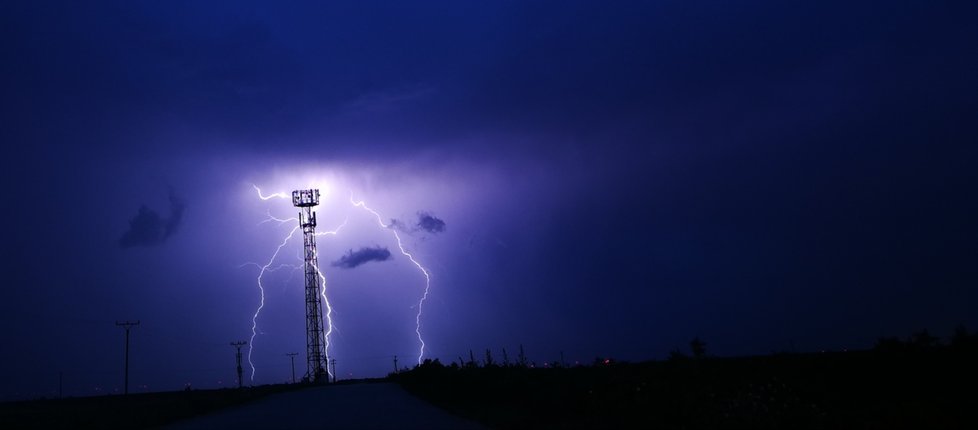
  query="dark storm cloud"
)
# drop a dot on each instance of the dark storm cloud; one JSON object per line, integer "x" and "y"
{"x": 430, "y": 223}
{"x": 363, "y": 255}
{"x": 399, "y": 225}
{"x": 570, "y": 69}
{"x": 426, "y": 222}
{"x": 148, "y": 228}
{"x": 783, "y": 167}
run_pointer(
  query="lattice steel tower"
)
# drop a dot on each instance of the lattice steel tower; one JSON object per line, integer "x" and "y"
{"x": 315, "y": 337}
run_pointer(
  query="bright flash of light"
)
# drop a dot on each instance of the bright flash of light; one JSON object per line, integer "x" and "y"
{"x": 261, "y": 304}
{"x": 271, "y": 269}
{"x": 270, "y": 196}
{"x": 267, "y": 268}
{"x": 280, "y": 221}
{"x": 333, "y": 232}
{"x": 424, "y": 271}
{"x": 322, "y": 293}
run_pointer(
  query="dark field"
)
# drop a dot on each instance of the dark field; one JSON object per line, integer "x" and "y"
{"x": 906, "y": 389}
{"x": 145, "y": 410}
{"x": 932, "y": 388}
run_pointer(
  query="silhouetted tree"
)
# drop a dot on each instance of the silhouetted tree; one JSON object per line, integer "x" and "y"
{"x": 431, "y": 364}
{"x": 889, "y": 344}
{"x": 960, "y": 334}
{"x": 698, "y": 347}
{"x": 964, "y": 340}
{"x": 488, "y": 362}
{"x": 924, "y": 340}
{"x": 505, "y": 358}
{"x": 471, "y": 362}
{"x": 522, "y": 357}
{"x": 676, "y": 355}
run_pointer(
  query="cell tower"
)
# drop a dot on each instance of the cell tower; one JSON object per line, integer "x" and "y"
{"x": 237, "y": 345}
{"x": 316, "y": 371}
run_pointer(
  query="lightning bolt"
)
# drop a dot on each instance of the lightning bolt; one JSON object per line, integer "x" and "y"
{"x": 329, "y": 309}
{"x": 270, "y": 196}
{"x": 272, "y": 269}
{"x": 261, "y": 304}
{"x": 322, "y": 293}
{"x": 273, "y": 218}
{"x": 427, "y": 276}
{"x": 268, "y": 268}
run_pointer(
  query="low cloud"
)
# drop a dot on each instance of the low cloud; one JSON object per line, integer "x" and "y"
{"x": 430, "y": 223}
{"x": 363, "y": 255}
{"x": 400, "y": 225}
{"x": 148, "y": 228}
{"x": 426, "y": 222}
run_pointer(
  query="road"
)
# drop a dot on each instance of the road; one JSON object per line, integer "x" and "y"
{"x": 359, "y": 406}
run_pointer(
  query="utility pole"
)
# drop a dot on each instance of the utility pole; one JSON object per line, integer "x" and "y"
{"x": 395, "y": 364}
{"x": 237, "y": 345}
{"x": 292, "y": 358}
{"x": 332, "y": 364}
{"x": 127, "y": 325}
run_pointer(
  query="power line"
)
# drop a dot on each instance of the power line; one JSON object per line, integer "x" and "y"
{"x": 127, "y": 325}
{"x": 292, "y": 359}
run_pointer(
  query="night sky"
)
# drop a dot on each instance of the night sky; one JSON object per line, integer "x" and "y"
{"x": 595, "y": 178}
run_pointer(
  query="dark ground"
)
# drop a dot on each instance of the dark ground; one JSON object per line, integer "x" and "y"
{"x": 932, "y": 388}
{"x": 339, "y": 406}
{"x": 894, "y": 386}
{"x": 144, "y": 410}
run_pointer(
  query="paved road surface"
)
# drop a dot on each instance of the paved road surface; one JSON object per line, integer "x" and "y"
{"x": 360, "y": 406}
